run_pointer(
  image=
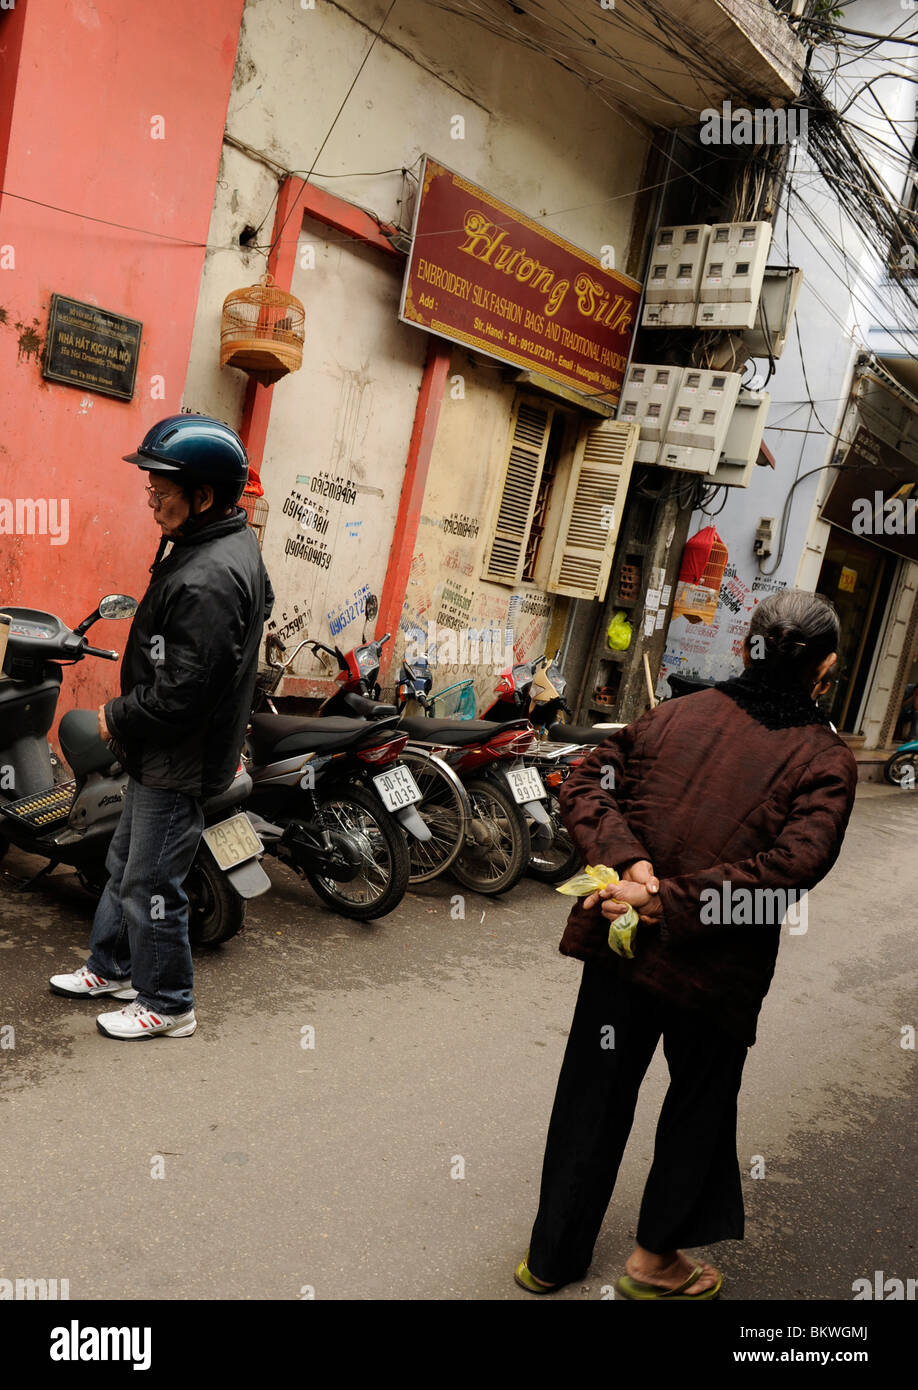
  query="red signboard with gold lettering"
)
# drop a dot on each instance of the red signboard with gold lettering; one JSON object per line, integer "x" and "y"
{"x": 483, "y": 274}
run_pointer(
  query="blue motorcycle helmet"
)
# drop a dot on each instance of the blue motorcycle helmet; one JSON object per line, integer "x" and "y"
{"x": 199, "y": 450}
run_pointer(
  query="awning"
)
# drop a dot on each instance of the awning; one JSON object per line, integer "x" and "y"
{"x": 875, "y": 496}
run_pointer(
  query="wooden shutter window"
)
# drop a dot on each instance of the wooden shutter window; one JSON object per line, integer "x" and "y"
{"x": 530, "y": 426}
{"x": 593, "y": 507}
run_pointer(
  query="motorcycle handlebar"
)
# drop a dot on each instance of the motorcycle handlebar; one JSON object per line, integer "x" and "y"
{"x": 100, "y": 651}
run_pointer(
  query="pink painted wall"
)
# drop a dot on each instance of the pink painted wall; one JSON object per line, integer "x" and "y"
{"x": 92, "y": 77}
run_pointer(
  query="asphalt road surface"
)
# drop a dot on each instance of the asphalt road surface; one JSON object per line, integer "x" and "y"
{"x": 399, "y": 1156}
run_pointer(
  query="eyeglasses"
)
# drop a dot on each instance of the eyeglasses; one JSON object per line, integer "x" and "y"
{"x": 156, "y": 499}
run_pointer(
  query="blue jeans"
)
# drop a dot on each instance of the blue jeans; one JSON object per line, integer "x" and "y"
{"x": 141, "y": 924}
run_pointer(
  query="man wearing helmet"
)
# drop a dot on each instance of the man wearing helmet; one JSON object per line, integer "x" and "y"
{"x": 187, "y": 680}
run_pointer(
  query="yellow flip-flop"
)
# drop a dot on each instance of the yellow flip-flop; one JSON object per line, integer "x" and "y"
{"x": 527, "y": 1280}
{"x": 634, "y": 1288}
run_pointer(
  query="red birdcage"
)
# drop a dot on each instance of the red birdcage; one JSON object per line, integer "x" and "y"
{"x": 701, "y": 575}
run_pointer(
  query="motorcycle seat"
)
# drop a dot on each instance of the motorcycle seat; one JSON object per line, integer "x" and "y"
{"x": 81, "y": 745}
{"x": 456, "y": 733}
{"x": 282, "y": 735}
{"x": 578, "y": 733}
{"x": 372, "y": 709}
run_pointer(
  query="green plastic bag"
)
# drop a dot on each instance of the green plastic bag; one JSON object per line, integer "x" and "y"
{"x": 618, "y": 635}
{"x": 594, "y": 877}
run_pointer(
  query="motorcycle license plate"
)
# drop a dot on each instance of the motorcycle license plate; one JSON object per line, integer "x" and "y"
{"x": 397, "y": 788}
{"x": 232, "y": 841}
{"x": 526, "y": 784}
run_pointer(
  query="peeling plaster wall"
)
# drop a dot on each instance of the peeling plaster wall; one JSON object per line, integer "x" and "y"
{"x": 349, "y": 411}
{"x": 337, "y": 443}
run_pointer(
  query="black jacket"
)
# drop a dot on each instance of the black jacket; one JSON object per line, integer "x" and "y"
{"x": 189, "y": 668}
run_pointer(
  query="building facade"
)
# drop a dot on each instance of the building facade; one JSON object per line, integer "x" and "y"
{"x": 291, "y": 137}
{"x": 841, "y": 429}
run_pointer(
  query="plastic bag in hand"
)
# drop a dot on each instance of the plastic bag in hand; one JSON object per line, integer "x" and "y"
{"x": 594, "y": 877}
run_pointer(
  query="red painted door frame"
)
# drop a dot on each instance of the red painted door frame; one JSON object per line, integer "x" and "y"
{"x": 296, "y": 199}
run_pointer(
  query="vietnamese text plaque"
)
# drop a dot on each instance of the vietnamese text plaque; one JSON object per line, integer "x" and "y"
{"x": 91, "y": 348}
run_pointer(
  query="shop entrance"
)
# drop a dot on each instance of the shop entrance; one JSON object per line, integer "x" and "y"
{"x": 857, "y": 577}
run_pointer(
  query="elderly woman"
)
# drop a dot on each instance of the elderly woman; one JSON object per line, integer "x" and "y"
{"x": 735, "y": 795}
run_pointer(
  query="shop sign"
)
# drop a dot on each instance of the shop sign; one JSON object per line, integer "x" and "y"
{"x": 485, "y": 275}
{"x": 875, "y": 496}
{"x": 91, "y": 348}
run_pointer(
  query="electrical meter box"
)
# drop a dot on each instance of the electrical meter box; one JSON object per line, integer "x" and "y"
{"x": 647, "y": 400}
{"x": 674, "y": 276}
{"x": 700, "y": 418}
{"x": 743, "y": 439}
{"x": 775, "y": 313}
{"x": 731, "y": 280}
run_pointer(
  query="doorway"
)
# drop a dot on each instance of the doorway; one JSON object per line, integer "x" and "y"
{"x": 857, "y": 577}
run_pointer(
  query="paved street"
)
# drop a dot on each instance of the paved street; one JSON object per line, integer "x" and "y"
{"x": 437, "y": 1046}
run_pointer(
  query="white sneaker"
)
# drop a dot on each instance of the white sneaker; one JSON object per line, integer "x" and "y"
{"x": 84, "y": 984}
{"x": 137, "y": 1021}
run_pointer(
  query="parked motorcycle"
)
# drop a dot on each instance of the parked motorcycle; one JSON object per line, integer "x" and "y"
{"x": 72, "y": 821}
{"x": 444, "y": 806}
{"x": 587, "y": 734}
{"x": 900, "y": 769}
{"x": 536, "y": 689}
{"x": 480, "y": 813}
{"x": 329, "y": 795}
{"x": 509, "y": 813}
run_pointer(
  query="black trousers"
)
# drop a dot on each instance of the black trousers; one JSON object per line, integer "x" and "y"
{"x": 693, "y": 1194}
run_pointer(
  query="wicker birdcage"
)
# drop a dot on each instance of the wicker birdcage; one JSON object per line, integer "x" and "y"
{"x": 256, "y": 509}
{"x": 262, "y": 331}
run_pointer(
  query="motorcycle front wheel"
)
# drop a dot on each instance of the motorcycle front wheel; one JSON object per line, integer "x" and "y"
{"x": 445, "y": 810}
{"x": 497, "y": 847}
{"x": 560, "y": 860}
{"x": 899, "y": 770}
{"x": 382, "y": 878}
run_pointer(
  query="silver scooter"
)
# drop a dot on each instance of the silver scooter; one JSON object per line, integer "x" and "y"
{"x": 72, "y": 821}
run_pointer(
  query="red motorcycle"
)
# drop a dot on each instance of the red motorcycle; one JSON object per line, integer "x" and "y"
{"x": 502, "y": 810}
{"x": 536, "y": 689}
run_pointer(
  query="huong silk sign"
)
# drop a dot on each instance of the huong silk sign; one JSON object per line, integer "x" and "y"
{"x": 483, "y": 274}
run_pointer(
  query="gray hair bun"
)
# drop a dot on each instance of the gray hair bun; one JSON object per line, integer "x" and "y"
{"x": 798, "y": 631}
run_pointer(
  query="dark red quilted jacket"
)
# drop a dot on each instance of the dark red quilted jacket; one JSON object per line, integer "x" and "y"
{"x": 708, "y": 794}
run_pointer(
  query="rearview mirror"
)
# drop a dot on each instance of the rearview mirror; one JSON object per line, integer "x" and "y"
{"x": 372, "y": 607}
{"x": 117, "y": 606}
